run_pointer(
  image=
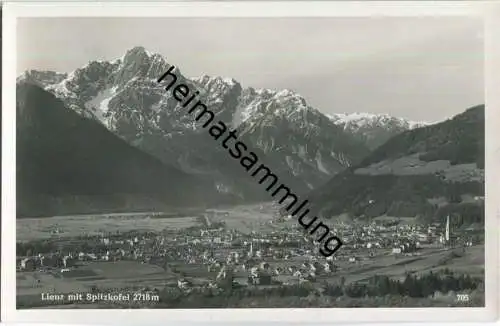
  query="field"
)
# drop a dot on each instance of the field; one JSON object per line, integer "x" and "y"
{"x": 470, "y": 262}
{"x": 119, "y": 276}
{"x": 69, "y": 226}
{"x": 400, "y": 220}
{"x": 104, "y": 275}
{"x": 246, "y": 218}
{"x": 243, "y": 218}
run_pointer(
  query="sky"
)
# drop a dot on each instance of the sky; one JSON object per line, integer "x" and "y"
{"x": 419, "y": 68}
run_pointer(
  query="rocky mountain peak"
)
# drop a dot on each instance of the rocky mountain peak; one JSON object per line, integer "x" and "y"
{"x": 137, "y": 53}
{"x": 373, "y": 129}
{"x": 217, "y": 88}
{"x": 41, "y": 78}
{"x": 266, "y": 106}
{"x": 124, "y": 96}
{"x": 363, "y": 119}
{"x": 206, "y": 81}
{"x": 139, "y": 63}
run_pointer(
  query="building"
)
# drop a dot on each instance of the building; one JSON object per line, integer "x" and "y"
{"x": 28, "y": 264}
{"x": 396, "y": 250}
{"x": 447, "y": 231}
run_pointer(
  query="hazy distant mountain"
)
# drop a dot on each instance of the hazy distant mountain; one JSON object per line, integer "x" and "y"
{"x": 42, "y": 78}
{"x": 70, "y": 164}
{"x": 298, "y": 142}
{"x": 373, "y": 129}
{"x": 428, "y": 172}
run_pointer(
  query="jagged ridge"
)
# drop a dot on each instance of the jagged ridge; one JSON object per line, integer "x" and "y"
{"x": 297, "y": 140}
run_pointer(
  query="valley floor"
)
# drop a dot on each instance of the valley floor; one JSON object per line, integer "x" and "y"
{"x": 182, "y": 258}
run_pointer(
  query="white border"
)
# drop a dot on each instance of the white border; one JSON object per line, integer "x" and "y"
{"x": 490, "y": 12}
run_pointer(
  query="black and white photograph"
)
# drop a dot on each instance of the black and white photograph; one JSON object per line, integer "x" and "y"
{"x": 249, "y": 162}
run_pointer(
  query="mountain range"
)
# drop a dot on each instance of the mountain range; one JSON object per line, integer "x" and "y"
{"x": 428, "y": 172}
{"x": 301, "y": 145}
{"x": 373, "y": 129}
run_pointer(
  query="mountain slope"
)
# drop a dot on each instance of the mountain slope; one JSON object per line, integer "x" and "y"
{"x": 124, "y": 96}
{"x": 373, "y": 129}
{"x": 297, "y": 138}
{"x": 70, "y": 164}
{"x": 426, "y": 172}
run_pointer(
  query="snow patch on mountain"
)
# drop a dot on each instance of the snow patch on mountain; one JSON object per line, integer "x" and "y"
{"x": 302, "y": 152}
{"x": 205, "y": 79}
{"x": 360, "y": 120}
{"x": 341, "y": 159}
{"x": 61, "y": 90}
{"x": 373, "y": 129}
{"x": 320, "y": 165}
{"x": 118, "y": 60}
{"x": 99, "y": 104}
{"x": 292, "y": 165}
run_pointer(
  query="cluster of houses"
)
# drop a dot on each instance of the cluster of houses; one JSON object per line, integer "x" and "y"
{"x": 283, "y": 255}
{"x": 42, "y": 262}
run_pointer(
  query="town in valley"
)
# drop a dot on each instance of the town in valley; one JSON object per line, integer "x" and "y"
{"x": 261, "y": 252}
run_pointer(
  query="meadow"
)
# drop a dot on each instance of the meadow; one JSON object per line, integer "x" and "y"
{"x": 103, "y": 275}
{"x": 70, "y": 226}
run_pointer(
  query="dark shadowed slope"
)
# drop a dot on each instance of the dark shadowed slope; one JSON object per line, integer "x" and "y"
{"x": 428, "y": 172}
{"x": 69, "y": 164}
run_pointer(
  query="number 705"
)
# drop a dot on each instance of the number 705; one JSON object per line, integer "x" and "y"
{"x": 462, "y": 297}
